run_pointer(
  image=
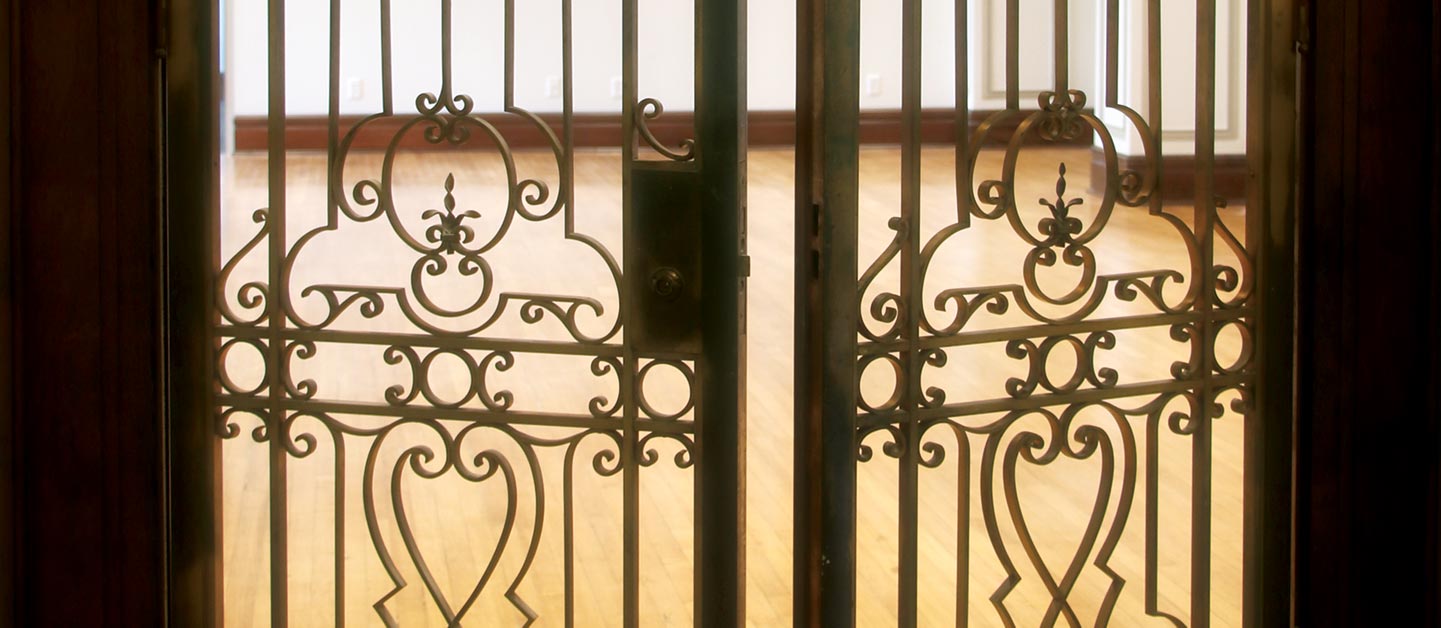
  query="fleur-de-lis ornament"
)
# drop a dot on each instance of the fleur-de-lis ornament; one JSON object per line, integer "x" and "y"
{"x": 1060, "y": 227}
{"x": 450, "y": 234}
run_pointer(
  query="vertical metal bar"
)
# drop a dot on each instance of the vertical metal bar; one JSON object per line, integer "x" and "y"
{"x": 1113, "y": 53}
{"x": 275, "y": 352}
{"x": 332, "y": 206}
{"x": 1154, "y": 120}
{"x": 1205, "y": 217}
{"x": 1062, "y": 38}
{"x": 1154, "y": 84}
{"x": 1272, "y": 151}
{"x": 191, "y": 259}
{"x": 567, "y": 72}
{"x": 446, "y": 67}
{"x": 827, "y": 306}
{"x": 721, "y": 151}
{"x": 630, "y": 475}
{"x": 908, "y": 488}
{"x": 1013, "y": 55}
{"x": 387, "y": 83}
{"x": 567, "y": 186}
{"x": 963, "y": 112}
{"x": 963, "y": 218}
{"x": 509, "y": 54}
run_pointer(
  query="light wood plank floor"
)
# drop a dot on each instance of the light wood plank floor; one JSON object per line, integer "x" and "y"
{"x": 457, "y": 523}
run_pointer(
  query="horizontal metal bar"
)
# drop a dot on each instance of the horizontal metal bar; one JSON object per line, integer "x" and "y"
{"x": 1042, "y": 331}
{"x": 472, "y": 415}
{"x": 438, "y": 342}
{"x": 1009, "y": 404}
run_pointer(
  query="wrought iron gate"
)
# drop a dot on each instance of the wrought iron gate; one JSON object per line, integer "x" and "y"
{"x": 990, "y": 387}
{"x": 676, "y": 306}
{"x": 409, "y": 392}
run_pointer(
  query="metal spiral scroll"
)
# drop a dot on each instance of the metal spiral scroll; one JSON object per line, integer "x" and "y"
{"x": 651, "y": 109}
{"x": 1094, "y": 414}
{"x": 412, "y": 427}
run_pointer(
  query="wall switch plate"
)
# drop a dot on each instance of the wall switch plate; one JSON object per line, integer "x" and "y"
{"x": 552, "y": 87}
{"x": 873, "y": 85}
{"x": 355, "y": 89}
{"x": 617, "y": 87}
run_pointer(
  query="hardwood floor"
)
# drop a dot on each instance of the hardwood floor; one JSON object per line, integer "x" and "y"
{"x": 457, "y": 523}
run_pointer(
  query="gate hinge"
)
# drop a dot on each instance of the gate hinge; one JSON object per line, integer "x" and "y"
{"x": 162, "y": 29}
{"x": 744, "y": 267}
{"x": 1303, "y": 30}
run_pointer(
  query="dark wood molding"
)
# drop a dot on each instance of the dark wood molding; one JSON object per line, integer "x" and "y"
{"x": 1369, "y": 365}
{"x": 8, "y": 469}
{"x": 192, "y": 262}
{"x": 1178, "y": 175}
{"x": 81, "y": 306}
{"x": 602, "y": 130}
{"x": 766, "y": 129}
{"x": 1432, "y": 583}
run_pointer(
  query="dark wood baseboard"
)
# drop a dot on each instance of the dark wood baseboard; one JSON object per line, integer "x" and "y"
{"x": 766, "y": 129}
{"x": 1178, "y": 175}
{"x": 603, "y": 130}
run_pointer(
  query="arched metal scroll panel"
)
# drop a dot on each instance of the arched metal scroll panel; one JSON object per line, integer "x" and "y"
{"x": 1056, "y": 389}
{"x": 438, "y": 364}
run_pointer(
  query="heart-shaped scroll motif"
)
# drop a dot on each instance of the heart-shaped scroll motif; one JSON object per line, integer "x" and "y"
{"x": 423, "y": 463}
{"x": 1040, "y": 451}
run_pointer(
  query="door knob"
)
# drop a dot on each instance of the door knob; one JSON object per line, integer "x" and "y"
{"x": 667, "y": 283}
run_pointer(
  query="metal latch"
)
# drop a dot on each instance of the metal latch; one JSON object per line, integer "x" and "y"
{"x": 663, "y": 259}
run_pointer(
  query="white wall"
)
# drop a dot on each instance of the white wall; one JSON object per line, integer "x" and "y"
{"x": 667, "y": 60}
{"x": 1178, "y": 76}
{"x": 666, "y": 54}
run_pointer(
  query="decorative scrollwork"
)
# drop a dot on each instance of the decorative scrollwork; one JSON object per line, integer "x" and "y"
{"x": 1071, "y": 439}
{"x": 223, "y": 367}
{"x": 252, "y": 295}
{"x": 305, "y": 389}
{"x": 893, "y": 400}
{"x": 1038, "y": 355}
{"x": 475, "y": 373}
{"x": 934, "y": 396}
{"x": 423, "y": 461}
{"x": 600, "y": 406}
{"x": 644, "y": 401}
{"x": 440, "y": 308}
{"x": 450, "y": 234}
{"x": 1063, "y": 299}
{"x": 894, "y": 446}
{"x": 651, "y": 109}
{"x": 1062, "y": 115}
{"x": 684, "y": 458}
{"x": 454, "y": 230}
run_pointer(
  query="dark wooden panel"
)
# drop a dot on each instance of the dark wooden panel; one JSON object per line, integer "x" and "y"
{"x": 85, "y": 265}
{"x": 1432, "y": 581}
{"x": 1178, "y": 175}
{"x": 8, "y": 468}
{"x": 1368, "y": 438}
{"x": 598, "y": 130}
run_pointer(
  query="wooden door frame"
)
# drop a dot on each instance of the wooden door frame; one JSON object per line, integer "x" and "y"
{"x": 81, "y": 407}
{"x": 1369, "y": 376}
{"x": 192, "y": 200}
{"x": 101, "y": 514}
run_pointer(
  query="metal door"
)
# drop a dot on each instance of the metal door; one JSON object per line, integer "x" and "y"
{"x": 667, "y": 302}
{"x": 992, "y": 388}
